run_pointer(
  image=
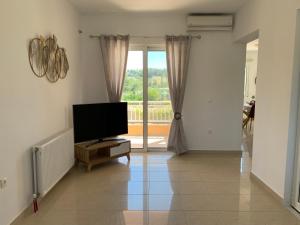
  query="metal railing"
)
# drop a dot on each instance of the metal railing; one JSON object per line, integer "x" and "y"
{"x": 158, "y": 111}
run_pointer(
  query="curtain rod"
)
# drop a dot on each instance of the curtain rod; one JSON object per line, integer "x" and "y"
{"x": 133, "y": 36}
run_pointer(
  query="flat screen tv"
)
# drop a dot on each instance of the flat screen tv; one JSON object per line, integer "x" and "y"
{"x": 99, "y": 121}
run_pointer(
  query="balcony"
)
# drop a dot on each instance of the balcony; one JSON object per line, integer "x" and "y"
{"x": 160, "y": 115}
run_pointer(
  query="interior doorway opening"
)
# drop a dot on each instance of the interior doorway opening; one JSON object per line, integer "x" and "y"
{"x": 250, "y": 81}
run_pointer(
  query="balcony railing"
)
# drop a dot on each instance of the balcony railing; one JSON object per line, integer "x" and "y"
{"x": 158, "y": 112}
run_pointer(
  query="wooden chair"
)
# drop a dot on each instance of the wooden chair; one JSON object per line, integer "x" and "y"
{"x": 249, "y": 116}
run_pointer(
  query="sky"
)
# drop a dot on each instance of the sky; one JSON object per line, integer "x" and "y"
{"x": 156, "y": 59}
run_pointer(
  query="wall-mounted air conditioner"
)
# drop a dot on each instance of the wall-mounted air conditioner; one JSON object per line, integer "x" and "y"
{"x": 209, "y": 23}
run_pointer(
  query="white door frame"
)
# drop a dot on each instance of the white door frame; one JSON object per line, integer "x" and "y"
{"x": 145, "y": 98}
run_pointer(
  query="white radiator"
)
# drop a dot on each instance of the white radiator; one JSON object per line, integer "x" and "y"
{"x": 52, "y": 159}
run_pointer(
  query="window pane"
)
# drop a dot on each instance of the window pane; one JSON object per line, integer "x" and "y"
{"x": 133, "y": 94}
{"x": 159, "y": 105}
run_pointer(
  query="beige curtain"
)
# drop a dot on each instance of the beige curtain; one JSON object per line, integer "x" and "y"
{"x": 114, "y": 53}
{"x": 178, "y": 52}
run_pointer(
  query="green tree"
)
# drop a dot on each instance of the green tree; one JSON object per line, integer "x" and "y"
{"x": 158, "y": 85}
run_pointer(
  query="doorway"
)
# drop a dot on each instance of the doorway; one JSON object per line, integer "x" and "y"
{"x": 147, "y": 92}
{"x": 250, "y": 95}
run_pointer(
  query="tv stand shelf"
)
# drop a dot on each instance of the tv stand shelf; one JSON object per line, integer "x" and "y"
{"x": 94, "y": 153}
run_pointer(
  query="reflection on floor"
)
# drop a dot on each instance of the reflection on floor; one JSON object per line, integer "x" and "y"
{"x": 153, "y": 142}
{"x": 162, "y": 189}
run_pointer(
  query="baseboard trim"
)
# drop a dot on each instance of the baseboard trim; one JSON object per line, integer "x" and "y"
{"x": 29, "y": 209}
{"x": 26, "y": 211}
{"x": 225, "y": 152}
{"x": 267, "y": 188}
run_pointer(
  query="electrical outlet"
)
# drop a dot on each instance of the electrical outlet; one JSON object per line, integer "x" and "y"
{"x": 3, "y": 183}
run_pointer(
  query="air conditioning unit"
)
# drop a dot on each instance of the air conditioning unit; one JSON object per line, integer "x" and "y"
{"x": 209, "y": 23}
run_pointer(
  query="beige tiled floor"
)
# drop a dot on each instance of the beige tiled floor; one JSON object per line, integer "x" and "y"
{"x": 162, "y": 189}
{"x": 158, "y": 142}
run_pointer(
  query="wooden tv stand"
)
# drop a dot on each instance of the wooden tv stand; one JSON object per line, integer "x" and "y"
{"x": 93, "y": 153}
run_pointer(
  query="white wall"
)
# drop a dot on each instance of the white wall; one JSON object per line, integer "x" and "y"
{"x": 31, "y": 108}
{"x": 276, "y": 99}
{"x": 214, "y": 92}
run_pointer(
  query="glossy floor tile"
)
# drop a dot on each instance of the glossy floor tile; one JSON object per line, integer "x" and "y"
{"x": 162, "y": 189}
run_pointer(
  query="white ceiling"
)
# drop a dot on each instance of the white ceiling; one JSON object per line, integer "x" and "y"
{"x": 183, "y": 6}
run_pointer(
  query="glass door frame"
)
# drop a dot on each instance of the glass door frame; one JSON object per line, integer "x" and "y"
{"x": 145, "y": 48}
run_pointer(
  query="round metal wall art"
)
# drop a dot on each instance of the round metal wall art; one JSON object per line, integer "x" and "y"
{"x": 46, "y": 58}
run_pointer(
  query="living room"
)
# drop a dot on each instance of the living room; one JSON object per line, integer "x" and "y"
{"x": 156, "y": 187}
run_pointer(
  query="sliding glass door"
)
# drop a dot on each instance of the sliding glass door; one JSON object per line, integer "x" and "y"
{"x": 147, "y": 93}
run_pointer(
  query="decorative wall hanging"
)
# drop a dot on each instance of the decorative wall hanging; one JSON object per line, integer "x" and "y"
{"x": 46, "y": 58}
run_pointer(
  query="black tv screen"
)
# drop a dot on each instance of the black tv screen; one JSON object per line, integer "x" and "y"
{"x": 99, "y": 121}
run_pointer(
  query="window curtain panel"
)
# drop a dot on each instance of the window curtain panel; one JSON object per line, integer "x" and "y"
{"x": 178, "y": 52}
{"x": 114, "y": 54}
